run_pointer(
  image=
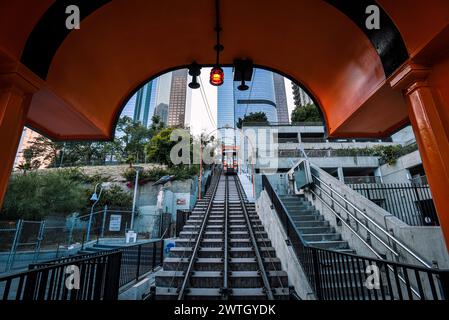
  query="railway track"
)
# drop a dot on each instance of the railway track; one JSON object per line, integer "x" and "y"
{"x": 223, "y": 252}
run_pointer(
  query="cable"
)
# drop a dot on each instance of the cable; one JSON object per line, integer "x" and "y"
{"x": 206, "y": 103}
{"x": 253, "y": 77}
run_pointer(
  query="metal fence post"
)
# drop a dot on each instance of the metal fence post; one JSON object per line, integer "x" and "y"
{"x": 153, "y": 261}
{"x": 71, "y": 232}
{"x": 162, "y": 252}
{"x": 105, "y": 212}
{"x": 112, "y": 276}
{"x": 40, "y": 237}
{"x": 444, "y": 281}
{"x": 139, "y": 253}
{"x": 317, "y": 276}
{"x": 15, "y": 242}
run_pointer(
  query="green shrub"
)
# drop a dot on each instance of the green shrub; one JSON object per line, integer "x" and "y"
{"x": 307, "y": 113}
{"x": 38, "y": 194}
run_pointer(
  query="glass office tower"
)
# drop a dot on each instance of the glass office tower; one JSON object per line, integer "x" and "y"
{"x": 166, "y": 96}
{"x": 281, "y": 99}
{"x": 225, "y": 107}
{"x": 260, "y": 97}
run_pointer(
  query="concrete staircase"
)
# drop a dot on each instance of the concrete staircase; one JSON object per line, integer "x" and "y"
{"x": 312, "y": 226}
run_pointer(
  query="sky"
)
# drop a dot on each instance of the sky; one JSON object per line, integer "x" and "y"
{"x": 199, "y": 120}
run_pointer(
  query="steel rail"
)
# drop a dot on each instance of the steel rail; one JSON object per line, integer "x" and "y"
{"x": 261, "y": 228}
{"x": 225, "y": 290}
{"x": 262, "y": 270}
{"x": 386, "y": 233}
{"x": 196, "y": 248}
{"x": 213, "y": 181}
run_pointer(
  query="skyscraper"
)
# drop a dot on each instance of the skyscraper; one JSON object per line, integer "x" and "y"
{"x": 168, "y": 91}
{"x": 225, "y": 108}
{"x": 266, "y": 94}
{"x": 300, "y": 97}
{"x": 145, "y": 102}
{"x": 260, "y": 97}
{"x": 178, "y": 98}
{"x": 161, "y": 111}
{"x": 281, "y": 99}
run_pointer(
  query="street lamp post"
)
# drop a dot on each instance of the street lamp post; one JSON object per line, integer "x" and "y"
{"x": 95, "y": 199}
{"x": 134, "y": 197}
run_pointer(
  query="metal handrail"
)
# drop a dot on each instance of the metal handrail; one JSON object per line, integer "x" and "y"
{"x": 356, "y": 219}
{"x": 310, "y": 257}
{"x": 363, "y": 240}
{"x": 350, "y": 228}
{"x": 386, "y": 233}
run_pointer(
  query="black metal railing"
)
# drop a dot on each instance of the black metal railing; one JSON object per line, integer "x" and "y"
{"x": 97, "y": 276}
{"x": 361, "y": 179}
{"x": 140, "y": 259}
{"x": 136, "y": 260}
{"x": 343, "y": 276}
{"x": 181, "y": 218}
{"x": 409, "y": 202}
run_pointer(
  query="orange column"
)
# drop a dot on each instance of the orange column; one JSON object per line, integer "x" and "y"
{"x": 433, "y": 142}
{"x": 15, "y": 98}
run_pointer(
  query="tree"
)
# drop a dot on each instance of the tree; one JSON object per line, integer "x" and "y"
{"x": 158, "y": 149}
{"x": 38, "y": 194}
{"x": 307, "y": 113}
{"x": 41, "y": 151}
{"x": 30, "y": 163}
{"x": 134, "y": 138}
{"x": 156, "y": 125}
{"x": 253, "y": 117}
{"x": 130, "y": 144}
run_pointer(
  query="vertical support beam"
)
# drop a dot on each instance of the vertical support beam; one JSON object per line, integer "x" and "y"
{"x": 15, "y": 99}
{"x": 428, "y": 125}
{"x": 341, "y": 175}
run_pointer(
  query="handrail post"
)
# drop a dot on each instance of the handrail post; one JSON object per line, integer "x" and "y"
{"x": 139, "y": 253}
{"x": 162, "y": 252}
{"x": 316, "y": 274}
{"x": 444, "y": 280}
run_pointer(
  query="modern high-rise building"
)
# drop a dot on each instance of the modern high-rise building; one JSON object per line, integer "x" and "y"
{"x": 140, "y": 106}
{"x": 266, "y": 91}
{"x": 260, "y": 97}
{"x": 168, "y": 91}
{"x": 178, "y": 99}
{"x": 225, "y": 108}
{"x": 266, "y": 94}
{"x": 145, "y": 103}
{"x": 281, "y": 98}
{"x": 161, "y": 111}
{"x": 300, "y": 97}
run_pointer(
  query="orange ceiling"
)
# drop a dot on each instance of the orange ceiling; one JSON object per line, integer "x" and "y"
{"x": 125, "y": 43}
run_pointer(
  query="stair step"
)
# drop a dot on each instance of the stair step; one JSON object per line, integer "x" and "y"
{"x": 330, "y": 245}
{"x": 322, "y": 237}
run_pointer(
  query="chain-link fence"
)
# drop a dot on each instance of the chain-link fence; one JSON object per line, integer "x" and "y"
{"x": 23, "y": 242}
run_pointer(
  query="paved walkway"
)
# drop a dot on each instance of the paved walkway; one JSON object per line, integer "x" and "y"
{"x": 247, "y": 186}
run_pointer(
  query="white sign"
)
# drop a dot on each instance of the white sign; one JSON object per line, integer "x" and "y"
{"x": 115, "y": 222}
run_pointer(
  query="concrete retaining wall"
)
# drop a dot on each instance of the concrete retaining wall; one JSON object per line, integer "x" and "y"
{"x": 285, "y": 253}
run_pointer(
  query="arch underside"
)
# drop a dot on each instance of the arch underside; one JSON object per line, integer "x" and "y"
{"x": 122, "y": 44}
